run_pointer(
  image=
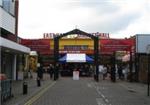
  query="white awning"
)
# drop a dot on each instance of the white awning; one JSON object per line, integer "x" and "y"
{"x": 14, "y": 46}
{"x": 76, "y": 58}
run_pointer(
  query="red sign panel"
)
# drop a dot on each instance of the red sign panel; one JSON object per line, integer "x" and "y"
{"x": 40, "y": 45}
{"x": 108, "y": 46}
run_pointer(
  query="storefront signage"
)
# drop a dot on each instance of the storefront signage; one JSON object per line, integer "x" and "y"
{"x": 52, "y": 35}
{"x": 108, "y": 46}
{"x": 42, "y": 46}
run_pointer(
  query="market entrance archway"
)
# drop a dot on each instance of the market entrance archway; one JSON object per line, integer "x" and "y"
{"x": 78, "y": 32}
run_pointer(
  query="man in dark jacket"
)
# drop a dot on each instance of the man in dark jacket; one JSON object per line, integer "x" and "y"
{"x": 51, "y": 71}
{"x": 56, "y": 72}
{"x": 40, "y": 72}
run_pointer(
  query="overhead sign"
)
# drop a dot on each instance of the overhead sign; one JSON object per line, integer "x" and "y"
{"x": 52, "y": 35}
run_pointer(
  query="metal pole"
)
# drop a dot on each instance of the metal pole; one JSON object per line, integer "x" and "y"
{"x": 131, "y": 74}
{"x": 148, "y": 75}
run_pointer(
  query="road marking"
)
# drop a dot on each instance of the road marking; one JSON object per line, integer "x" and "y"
{"x": 38, "y": 95}
{"x": 89, "y": 85}
{"x": 100, "y": 101}
{"x": 130, "y": 89}
{"x": 103, "y": 99}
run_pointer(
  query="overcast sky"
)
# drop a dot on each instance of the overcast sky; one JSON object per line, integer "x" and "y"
{"x": 120, "y": 18}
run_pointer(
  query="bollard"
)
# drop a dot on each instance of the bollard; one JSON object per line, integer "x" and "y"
{"x": 25, "y": 88}
{"x": 38, "y": 82}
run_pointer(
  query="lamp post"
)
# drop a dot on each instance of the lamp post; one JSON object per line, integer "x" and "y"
{"x": 148, "y": 73}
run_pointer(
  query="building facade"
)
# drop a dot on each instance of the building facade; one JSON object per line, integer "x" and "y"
{"x": 12, "y": 54}
{"x": 142, "y": 60}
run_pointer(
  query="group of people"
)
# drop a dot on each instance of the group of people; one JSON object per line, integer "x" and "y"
{"x": 53, "y": 72}
{"x": 112, "y": 72}
{"x": 108, "y": 71}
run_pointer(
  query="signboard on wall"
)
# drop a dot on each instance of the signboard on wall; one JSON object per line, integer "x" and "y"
{"x": 142, "y": 41}
{"x": 40, "y": 45}
{"x": 98, "y": 34}
{"x": 108, "y": 46}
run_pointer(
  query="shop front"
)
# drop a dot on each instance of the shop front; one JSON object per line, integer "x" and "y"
{"x": 12, "y": 58}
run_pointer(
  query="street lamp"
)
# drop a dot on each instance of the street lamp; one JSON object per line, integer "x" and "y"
{"x": 148, "y": 73}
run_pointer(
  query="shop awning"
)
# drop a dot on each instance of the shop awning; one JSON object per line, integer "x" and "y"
{"x": 76, "y": 58}
{"x": 5, "y": 43}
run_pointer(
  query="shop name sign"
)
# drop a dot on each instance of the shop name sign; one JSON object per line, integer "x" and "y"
{"x": 52, "y": 35}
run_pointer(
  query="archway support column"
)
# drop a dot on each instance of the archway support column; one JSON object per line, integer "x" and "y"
{"x": 96, "y": 56}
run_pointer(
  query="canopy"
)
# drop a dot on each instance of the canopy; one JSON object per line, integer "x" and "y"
{"x": 76, "y": 58}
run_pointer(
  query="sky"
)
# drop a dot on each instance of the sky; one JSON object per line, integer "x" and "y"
{"x": 119, "y": 18}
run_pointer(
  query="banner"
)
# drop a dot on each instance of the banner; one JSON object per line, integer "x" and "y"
{"x": 108, "y": 46}
{"x": 42, "y": 46}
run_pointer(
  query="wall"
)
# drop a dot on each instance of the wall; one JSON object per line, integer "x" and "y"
{"x": 143, "y": 67}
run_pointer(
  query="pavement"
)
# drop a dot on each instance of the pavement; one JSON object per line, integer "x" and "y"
{"x": 84, "y": 91}
{"x": 17, "y": 89}
{"x": 123, "y": 93}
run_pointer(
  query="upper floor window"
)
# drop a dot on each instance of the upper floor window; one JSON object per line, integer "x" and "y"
{"x": 1, "y": 3}
{"x": 9, "y": 6}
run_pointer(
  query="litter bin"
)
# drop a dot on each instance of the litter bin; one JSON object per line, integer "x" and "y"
{"x": 25, "y": 88}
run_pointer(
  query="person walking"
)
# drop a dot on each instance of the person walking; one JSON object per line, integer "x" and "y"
{"x": 120, "y": 72}
{"x": 113, "y": 73}
{"x": 56, "y": 72}
{"x": 104, "y": 71}
{"x": 39, "y": 74}
{"x": 51, "y": 71}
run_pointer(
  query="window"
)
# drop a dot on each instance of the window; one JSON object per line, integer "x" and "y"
{"x": 9, "y": 6}
{"x": 1, "y": 3}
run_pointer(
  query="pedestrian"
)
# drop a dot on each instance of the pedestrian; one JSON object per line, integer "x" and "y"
{"x": 120, "y": 72}
{"x": 104, "y": 71}
{"x": 51, "y": 71}
{"x": 39, "y": 74}
{"x": 39, "y": 71}
{"x": 113, "y": 73}
{"x": 56, "y": 72}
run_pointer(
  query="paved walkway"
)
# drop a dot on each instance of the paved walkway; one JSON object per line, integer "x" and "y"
{"x": 85, "y": 91}
{"x": 69, "y": 92}
{"x": 17, "y": 90}
{"x": 88, "y": 92}
{"x": 123, "y": 93}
